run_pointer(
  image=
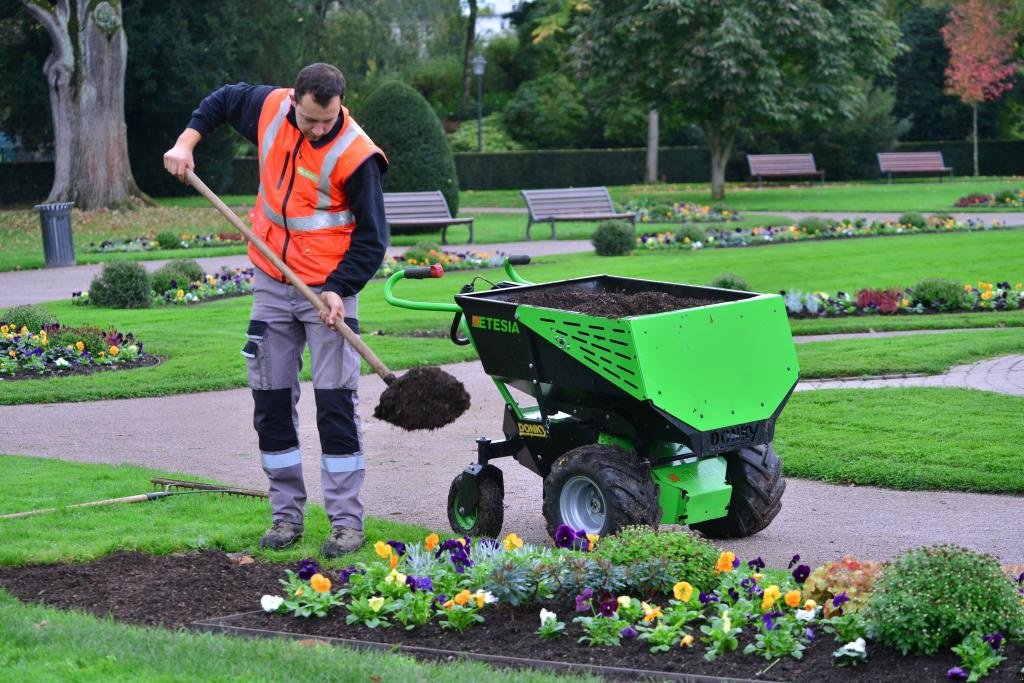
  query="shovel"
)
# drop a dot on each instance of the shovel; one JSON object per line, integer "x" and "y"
{"x": 431, "y": 385}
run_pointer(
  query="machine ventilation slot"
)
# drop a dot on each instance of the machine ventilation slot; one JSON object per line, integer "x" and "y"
{"x": 626, "y": 370}
{"x": 548, "y": 320}
{"x": 579, "y": 339}
{"x": 603, "y": 348}
{"x": 623, "y": 356}
{"x": 567, "y": 322}
{"x": 619, "y": 342}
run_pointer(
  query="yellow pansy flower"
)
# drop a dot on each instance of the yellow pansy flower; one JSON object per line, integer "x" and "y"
{"x": 512, "y": 541}
{"x": 683, "y": 591}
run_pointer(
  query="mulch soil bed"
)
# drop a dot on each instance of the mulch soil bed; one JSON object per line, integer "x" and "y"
{"x": 175, "y": 590}
{"x": 145, "y": 361}
{"x": 608, "y": 304}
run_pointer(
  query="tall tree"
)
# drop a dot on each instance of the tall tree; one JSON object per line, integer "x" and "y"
{"x": 738, "y": 64}
{"x": 467, "y": 56}
{"x": 85, "y": 74}
{"x": 981, "y": 49}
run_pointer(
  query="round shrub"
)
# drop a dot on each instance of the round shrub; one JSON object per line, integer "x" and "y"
{"x": 614, "y": 238}
{"x": 689, "y": 558}
{"x": 34, "y": 318}
{"x": 402, "y": 124}
{"x": 913, "y": 218}
{"x": 168, "y": 240}
{"x": 548, "y": 113}
{"x": 121, "y": 284}
{"x": 813, "y": 225}
{"x": 175, "y": 274}
{"x": 730, "y": 281}
{"x": 939, "y": 294}
{"x": 929, "y": 599}
{"x": 694, "y": 233}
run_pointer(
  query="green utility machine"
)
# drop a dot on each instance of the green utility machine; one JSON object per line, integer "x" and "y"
{"x": 662, "y": 418}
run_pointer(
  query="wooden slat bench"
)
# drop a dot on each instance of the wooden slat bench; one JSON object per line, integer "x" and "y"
{"x": 422, "y": 210}
{"x": 783, "y": 166}
{"x": 571, "y": 204}
{"x": 917, "y": 163}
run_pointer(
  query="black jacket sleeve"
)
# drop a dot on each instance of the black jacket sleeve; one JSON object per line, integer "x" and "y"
{"x": 370, "y": 237}
{"x": 238, "y": 105}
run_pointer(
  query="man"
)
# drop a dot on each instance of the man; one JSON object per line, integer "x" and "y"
{"x": 321, "y": 209}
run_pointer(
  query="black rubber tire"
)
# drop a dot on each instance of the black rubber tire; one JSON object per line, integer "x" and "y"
{"x": 490, "y": 508}
{"x": 625, "y": 482}
{"x": 757, "y": 487}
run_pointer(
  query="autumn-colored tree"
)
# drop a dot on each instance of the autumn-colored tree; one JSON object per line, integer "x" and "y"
{"x": 981, "y": 47}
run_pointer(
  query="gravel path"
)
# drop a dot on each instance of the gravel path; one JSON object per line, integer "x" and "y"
{"x": 408, "y": 474}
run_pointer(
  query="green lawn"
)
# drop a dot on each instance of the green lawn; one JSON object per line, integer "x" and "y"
{"x": 912, "y": 194}
{"x": 200, "y": 344}
{"x": 943, "y": 439}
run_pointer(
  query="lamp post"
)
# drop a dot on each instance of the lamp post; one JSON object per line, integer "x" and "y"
{"x": 479, "y": 64}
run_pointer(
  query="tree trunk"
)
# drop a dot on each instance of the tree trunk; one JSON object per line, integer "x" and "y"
{"x": 720, "y": 146}
{"x": 467, "y": 72}
{"x": 652, "y": 146}
{"x": 974, "y": 135}
{"x": 85, "y": 73}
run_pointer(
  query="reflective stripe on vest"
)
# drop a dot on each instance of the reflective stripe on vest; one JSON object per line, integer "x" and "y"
{"x": 331, "y": 160}
{"x": 319, "y": 219}
{"x": 271, "y": 135}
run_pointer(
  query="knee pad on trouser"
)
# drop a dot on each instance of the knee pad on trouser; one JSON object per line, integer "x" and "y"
{"x": 342, "y": 465}
{"x": 280, "y": 454}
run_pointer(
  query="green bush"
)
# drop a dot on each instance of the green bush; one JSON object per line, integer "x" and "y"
{"x": 402, "y": 124}
{"x": 928, "y": 599}
{"x": 168, "y": 240}
{"x": 939, "y": 293}
{"x": 93, "y": 338}
{"x": 121, "y": 284}
{"x": 913, "y": 218}
{"x": 813, "y": 225}
{"x": 180, "y": 272}
{"x": 34, "y": 318}
{"x": 614, "y": 238}
{"x": 547, "y": 113}
{"x": 730, "y": 281}
{"x": 690, "y": 558}
{"x": 420, "y": 251}
{"x": 694, "y": 233}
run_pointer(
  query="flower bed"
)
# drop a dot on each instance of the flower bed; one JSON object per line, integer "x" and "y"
{"x": 1003, "y": 199}
{"x": 985, "y": 296}
{"x": 426, "y": 253}
{"x": 163, "y": 240}
{"x": 57, "y": 350}
{"x": 679, "y": 212}
{"x": 229, "y": 282}
{"x": 808, "y": 229}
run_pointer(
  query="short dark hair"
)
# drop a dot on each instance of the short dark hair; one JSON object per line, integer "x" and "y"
{"x": 322, "y": 81}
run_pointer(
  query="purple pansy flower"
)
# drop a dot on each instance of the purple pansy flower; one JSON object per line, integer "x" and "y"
{"x": 756, "y": 564}
{"x": 809, "y": 633}
{"x": 994, "y": 639}
{"x": 735, "y": 562}
{"x": 419, "y": 583}
{"x": 796, "y": 558}
{"x": 440, "y": 599}
{"x": 628, "y": 632}
{"x": 583, "y": 600}
{"x": 956, "y": 674}
{"x": 840, "y": 599}
{"x": 307, "y": 568}
{"x": 565, "y": 536}
{"x": 769, "y": 620}
{"x": 608, "y": 606}
{"x": 345, "y": 574}
{"x": 1020, "y": 579}
{"x": 398, "y": 546}
{"x": 734, "y": 594}
{"x": 801, "y": 573}
{"x": 707, "y": 598}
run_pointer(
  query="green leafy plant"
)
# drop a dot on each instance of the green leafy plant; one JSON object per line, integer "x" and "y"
{"x": 613, "y": 238}
{"x": 168, "y": 240}
{"x": 689, "y": 558}
{"x": 601, "y": 630}
{"x": 310, "y": 597}
{"x": 372, "y": 612}
{"x": 913, "y": 218}
{"x": 730, "y": 281}
{"x": 980, "y": 654}
{"x": 813, "y": 225}
{"x": 778, "y": 635}
{"x": 413, "y": 609}
{"x": 939, "y": 294}
{"x": 661, "y": 637}
{"x": 720, "y": 636}
{"x": 694, "y": 233}
{"x": 460, "y": 617}
{"x": 176, "y": 274}
{"x": 931, "y": 598}
{"x": 34, "y": 318}
{"x": 846, "y": 627}
{"x": 550, "y": 627}
{"x": 121, "y": 284}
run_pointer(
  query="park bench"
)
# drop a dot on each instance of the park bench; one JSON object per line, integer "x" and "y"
{"x": 917, "y": 163}
{"x": 571, "y": 204}
{"x": 783, "y": 166}
{"x": 420, "y": 212}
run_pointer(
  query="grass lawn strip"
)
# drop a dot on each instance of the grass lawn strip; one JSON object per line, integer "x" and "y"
{"x": 905, "y": 438}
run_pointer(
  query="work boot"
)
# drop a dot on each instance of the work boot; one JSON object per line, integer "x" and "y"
{"x": 342, "y": 540}
{"x": 281, "y": 534}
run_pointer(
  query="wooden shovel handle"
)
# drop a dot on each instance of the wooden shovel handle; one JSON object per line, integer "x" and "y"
{"x": 339, "y": 326}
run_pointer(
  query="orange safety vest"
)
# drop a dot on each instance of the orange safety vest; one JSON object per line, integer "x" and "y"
{"x": 301, "y": 211}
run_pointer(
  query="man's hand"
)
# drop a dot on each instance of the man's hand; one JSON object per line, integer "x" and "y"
{"x": 336, "y": 309}
{"x": 178, "y": 159}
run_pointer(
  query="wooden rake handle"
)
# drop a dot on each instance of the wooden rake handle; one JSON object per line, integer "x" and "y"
{"x": 339, "y": 325}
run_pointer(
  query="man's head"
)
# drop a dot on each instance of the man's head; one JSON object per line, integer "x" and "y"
{"x": 319, "y": 92}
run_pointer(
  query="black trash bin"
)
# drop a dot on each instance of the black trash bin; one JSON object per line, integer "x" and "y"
{"x": 58, "y": 248}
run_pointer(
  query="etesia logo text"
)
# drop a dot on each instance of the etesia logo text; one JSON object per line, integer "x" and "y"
{"x": 495, "y": 324}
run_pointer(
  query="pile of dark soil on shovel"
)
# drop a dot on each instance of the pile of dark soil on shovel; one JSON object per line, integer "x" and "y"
{"x": 422, "y": 398}
{"x": 174, "y": 591}
{"x": 608, "y": 304}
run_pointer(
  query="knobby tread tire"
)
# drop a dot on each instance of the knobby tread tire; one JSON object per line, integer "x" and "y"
{"x": 490, "y": 505}
{"x": 757, "y": 487}
{"x": 630, "y": 493}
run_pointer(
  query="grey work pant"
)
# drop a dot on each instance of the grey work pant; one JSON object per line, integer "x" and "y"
{"x": 281, "y": 325}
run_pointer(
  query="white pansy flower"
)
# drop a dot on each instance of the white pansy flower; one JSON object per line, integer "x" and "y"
{"x": 270, "y": 603}
{"x": 546, "y": 616}
{"x": 61, "y": 363}
{"x": 804, "y": 615}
